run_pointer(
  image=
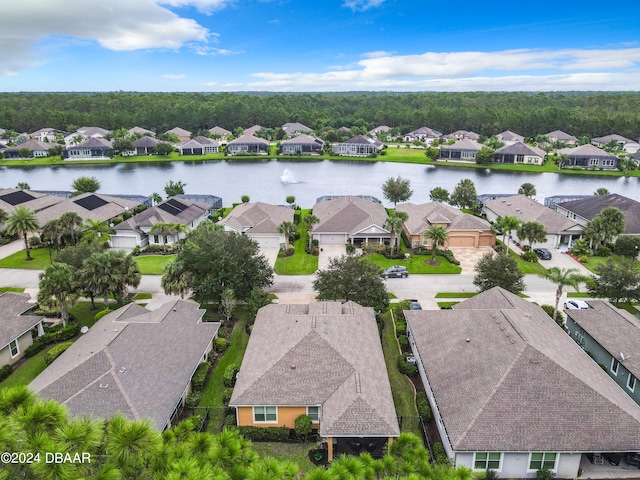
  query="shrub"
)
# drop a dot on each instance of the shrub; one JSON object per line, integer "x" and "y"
{"x": 34, "y": 348}
{"x": 439, "y": 455}
{"x": 230, "y": 421}
{"x": 499, "y": 247}
{"x": 226, "y": 395}
{"x": 221, "y": 344}
{"x": 400, "y": 328}
{"x": 67, "y": 332}
{"x": 449, "y": 257}
{"x": 5, "y": 372}
{"x": 583, "y": 259}
{"x": 223, "y": 333}
{"x": 102, "y": 313}
{"x": 351, "y": 249}
{"x": 423, "y": 406}
{"x": 193, "y": 399}
{"x": 200, "y": 376}
{"x": 404, "y": 342}
{"x": 603, "y": 252}
{"x": 55, "y": 352}
{"x": 34, "y": 242}
{"x": 229, "y": 376}
{"x": 303, "y": 426}
{"x": 266, "y": 434}
{"x": 529, "y": 256}
{"x": 406, "y": 368}
{"x": 545, "y": 474}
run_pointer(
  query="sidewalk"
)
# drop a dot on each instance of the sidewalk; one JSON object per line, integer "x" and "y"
{"x": 11, "y": 248}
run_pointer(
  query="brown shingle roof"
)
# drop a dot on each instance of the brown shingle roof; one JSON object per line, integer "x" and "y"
{"x": 257, "y": 217}
{"x": 520, "y": 148}
{"x": 505, "y": 377}
{"x": 326, "y": 354}
{"x": 111, "y": 207}
{"x": 13, "y": 321}
{"x": 348, "y": 215}
{"x": 10, "y": 198}
{"x": 422, "y": 216}
{"x": 590, "y": 207}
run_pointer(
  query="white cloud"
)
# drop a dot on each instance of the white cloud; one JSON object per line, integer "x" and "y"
{"x": 377, "y": 54}
{"x": 362, "y": 5}
{"x": 171, "y": 76}
{"x": 205, "y": 50}
{"x": 567, "y": 69}
{"x": 205, "y": 6}
{"x": 115, "y": 25}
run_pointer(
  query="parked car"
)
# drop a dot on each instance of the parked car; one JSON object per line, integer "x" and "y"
{"x": 415, "y": 304}
{"x": 543, "y": 253}
{"x": 576, "y": 305}
{"x": 397, "y": 271}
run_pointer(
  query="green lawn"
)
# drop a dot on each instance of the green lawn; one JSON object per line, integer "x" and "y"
{"x": 446, "y": 304}
{"x": 294, "y": 452}
{"x": 17, "y": 260}
{"x": 527, "y": 267}
{"x": 456, "y": 294}
{"x": 143, "y": 296}
{"x": 153, "y": 264}
{"x": 300, "y": 263}
{"x": 415, "y": 264}
{"x": 29, "y": 370}
{"x": 83, "y": 312}
{"x": 11, "y": 289}
{"x": 578, "y": 295}
{"x": 593, "y": 262}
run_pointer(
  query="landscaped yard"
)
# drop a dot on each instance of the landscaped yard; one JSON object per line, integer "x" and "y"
{"x": 30, "y": 369}
{"x": 294, "y": 452}
{"x": 415, "y": 264}
{"x": 83, "y": 312}
{"x": 527, "y": 267}
{"x": 153, "y": 264}
{"x": 11, "y": 289}
{"x": 593, "y": 262}
{"x": 456, "y": 294}
{"x": 300, "y": 263}
{"x": 40, "y": 260}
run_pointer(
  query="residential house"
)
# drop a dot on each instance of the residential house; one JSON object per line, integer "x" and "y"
{"x": 374, "y": 132}
{"x": 198, "y": 146}
{"x": 248, "y": 144}
{"x": 252, "y": 131}
{"x": 582, "y": 211}
{"x": 350, "y": 219}
{"x": 35, "y": 149}
{"x": 424, "y": 134}
{"x": 94, "y": 148}
{"x": 295, "y": 128}
{"x": 138, "y": 231}
{"x": 92, "y": 206}
{"x": 358, "y": 146}
{"x": 562, "y": 137}
{"x": 625, "y": 144}
{"x": 222, "y": 134}
{"x": 46, "y": 134}
{"x": 611, "y": 337}
{"x": 559, "y": 229}
{"x": 461, "y": 150}
{"x": 464, "y": 230}
{"x": 133, "y": 361}
{"x": 301, "y": 145}
{"x": 145, "y": 145}
{"x": 142, "y": 132}
{"x": 260, "y": 221}
{"x": 324, "y": 360}
{"x": 17, "y": 326}
{"x": 511, "y": 392}
{"x": 181, "y": 133}
{"x": 84, "y": 133}
{"x": 462, "y": 134}
{"x": 519, "y": 153}
{"x": 589, "y": 156}
{"x": 10, "y": 198}
{"x": 509, "y": 138}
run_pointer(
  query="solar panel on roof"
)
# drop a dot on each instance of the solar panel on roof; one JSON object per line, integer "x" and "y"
{"x": 169, "y": 208}
{"x": 16, "y": 198}
{"x": 91, "y": 202}
{"x": 175, "y": 203}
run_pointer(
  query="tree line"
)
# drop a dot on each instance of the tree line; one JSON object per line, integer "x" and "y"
{"x": 487, "y": 113}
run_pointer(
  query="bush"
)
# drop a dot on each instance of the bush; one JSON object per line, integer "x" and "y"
{"x": 530, "y": 257}
{"x": 449, "y": 257}
{"x": 193, "y": 399}
{"x": 266, "y": 434}
{"x": 303, "y": 426}
{"x": 221, "y": 344}
{"x": 229, "y": 376}
{"x": 34, "y": 242}
{"x": 404, "y": 342}
{"x": 102, "y": 313}
{"x": 34, "y": 348}
{"x": 583, "y": 259}
{"x": 55, "y": 352}
{"x": 53, "y": 336}
{"x": 439, "y": 455}
{"x": 603, "y": 252}
{"x": 423, "y": 406}
{"x": 500, "y": 247}
{"x": 229, "y": 421}
{"x": 351, "y": 249}
{"x": 401, "y": 328}
{"x": 200, "y": 376}
{"x": 5, "y": 372}
{"x": 67, "y": 332}
{"x": 406, "y": 368}
{"x": 226, "y": 395}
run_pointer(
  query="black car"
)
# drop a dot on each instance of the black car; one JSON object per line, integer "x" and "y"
{"x": 543, "y": 253}
{"x": 397, "y": 271}
{"x": 415, "y": 304}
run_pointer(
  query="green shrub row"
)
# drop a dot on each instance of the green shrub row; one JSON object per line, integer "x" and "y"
{"x": 404, "y": 342}
{"x": 102, "y": 313}
{"x": 406, "y": 368}
{"x": 424, "y": 410}
{"x": 221, "y": 344}
{"x": 448, "y": 256}
{"x": 266, "y": 434}
{"x": 401, "y": 328}
{"x": 55, "y": 352}
{"x": 200, "y": 376}
{"x": 5, "y": 372}
{"x": 439, "y": 454}
{"x": 193, "y": 399}
{"x": 229, "y": 376}
{"x": 64, "y": 333}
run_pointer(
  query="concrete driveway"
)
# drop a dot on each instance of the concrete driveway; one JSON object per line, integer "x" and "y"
{"x": 327, "y": 252}
{"x": 270, "y": 253}
{"x": 469, "y": 256}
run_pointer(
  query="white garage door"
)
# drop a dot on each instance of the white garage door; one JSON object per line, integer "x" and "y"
{"x": 123, "y": 242}
{"x": 326, "y": 239}
{"x": 268, "y": 242}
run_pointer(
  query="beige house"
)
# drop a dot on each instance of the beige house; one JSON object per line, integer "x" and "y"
{"x": 324, "y": 360}
{"x": 11, "y": 198}
{"x": 464, "y": 230}
{"x": 92, "y": 206}
{"x": 16, "y": 326}
{"x": 519, "y": 153}
{"x": 260, "y": 221}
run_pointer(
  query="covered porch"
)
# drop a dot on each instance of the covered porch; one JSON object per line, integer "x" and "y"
{"x": 610, "y": 465}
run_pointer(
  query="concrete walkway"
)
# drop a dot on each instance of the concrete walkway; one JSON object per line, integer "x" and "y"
{"x": 11, "y": 248}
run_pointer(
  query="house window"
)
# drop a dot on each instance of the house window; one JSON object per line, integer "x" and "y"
{"x": 631, "y": 383}
{"x": 593, "y": 161}
{"x": 265, "y": 414}
{"x": 519, "y": 158}
{"x": 579, "y": 338}
{"x": 543, "y": 460}
{"x": 608, "y": 163}
{"x": 487, "y": 460}
{"x": 14, "y": 347}
{"x": 615, "y": 364}
{"x": 314, "y": 413}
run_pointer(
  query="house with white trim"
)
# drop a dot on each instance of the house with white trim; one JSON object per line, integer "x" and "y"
{"x": 17, "y": 326}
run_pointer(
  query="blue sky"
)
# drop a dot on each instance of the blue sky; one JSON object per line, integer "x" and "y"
{"x": 320, "y": 45}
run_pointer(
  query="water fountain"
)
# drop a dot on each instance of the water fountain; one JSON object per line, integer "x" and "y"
{"x": 287, "y": 177}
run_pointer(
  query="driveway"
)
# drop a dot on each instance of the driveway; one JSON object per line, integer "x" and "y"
{"x": 468, "y": 257}
{"x": 329, "y": 251}
{"x": 11, "y": 248}
{"x": 270, "y": 253}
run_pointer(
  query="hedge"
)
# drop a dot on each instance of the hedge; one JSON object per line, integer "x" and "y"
{"x": 229, "y": 376}
{"x": 102, "y": 313}
{"x": 198, "y": 379}
{"x": 406, "y": 368}
{"x": 55, "y": 352}
{"x": 221, "y": 344}
{"x": 423, "y": 406}
{"x": 266, "y": 434}
{"x": 439, "y": 454}
{"x": 64, "y": 333}
{"x": 5, "y": 372}
{"x": 193, "y": 399}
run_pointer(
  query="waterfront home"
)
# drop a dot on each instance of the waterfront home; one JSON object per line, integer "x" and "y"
{"x": 559, "y": 229}
{"x": 145, "y": 145}
{"x": 625, "y": 144}
{"x": 464, "y": 229}
{"x": 94, "y": 206}
{"x": 424, "y": 134}
{"x": 519, "y": 153}
{"x": 511, "y": 392}
{"x": 17, "y": 326}
{"x": 301, "y": 145}
{"x": 323, "y": 360}
{"x": 133, "y": 361}
{"x": 358, "y": 146}
{"x": 248, "y": 144}
{"x": 260, "y": 221}
{"x": 10, "y": 198}
{"x": 93, "y": 148}
{"x": 461, "y": 150}
{"x": 29, "y": 149}
{"x": 589, "y": 156}
{"x": 198, "y": 146}
{"x": 583, "y": 210}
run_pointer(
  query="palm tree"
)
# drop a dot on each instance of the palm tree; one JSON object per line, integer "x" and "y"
{"x": 628, "y": 163}
{"x": 21, "y": 222}
{"x": 155, "y": 198}
{"x": 287, "y": 229}
{"x": 505, "y": 225}
{"x": 52, "y": 233}
{"x": 562, "y": 278}
{"x": 96, "y": 231}
{"x": 58, "y": 289}
{"x": 394, "y": 225}
{"x": 527, "y": 189}
{"x": 438, "y": 236}
{"x": 3, "y": 219}
{"x": 175, "y": 281}
{"x": 109, "y": 272}
{"x": 69, "y": 222}
{"x": 23, "y": 186}
{"x": 310, "y": 220}
{"x": 532, "y": 232}
{"x": 167, "y": 228}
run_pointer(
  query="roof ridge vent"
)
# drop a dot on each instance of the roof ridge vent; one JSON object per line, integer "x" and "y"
{"x": 358, "y": 383}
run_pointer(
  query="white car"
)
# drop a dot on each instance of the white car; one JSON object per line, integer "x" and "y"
{"x": 576, "y": 305}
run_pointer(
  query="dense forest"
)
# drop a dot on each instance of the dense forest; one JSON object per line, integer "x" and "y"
{"x": 580, "y": 114}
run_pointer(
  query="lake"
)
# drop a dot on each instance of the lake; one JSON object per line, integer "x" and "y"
{"x": 272, "y": 181}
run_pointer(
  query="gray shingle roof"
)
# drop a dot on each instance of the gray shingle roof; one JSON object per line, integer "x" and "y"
{"x": 198, "y": 142}
{"x": 425, "y": 131}
{"x": 34, "y": 146}
{"x": 37, "y": 202}
{"x": 607, "y": 138}
{"x": 303, "y": 139}
{"x": 146, "y": 142}
{"x": 142, "y": 131}
{"x": 348, "y": 215}
{"x": 508, "y": 135}
{"x": 590, "y": 207}
{"x": 464, "y": 144}
{"x": 422, "y": 216}
{"x": 520, "y": 148}
{"x": 252, "y": 130}
{"x": 257, "y": 217}
{"x": 133, "y": 361}
{"x": 113, "y": 207}
{"x": 153, "y": 215}
{"x": 14, "y": 321}
{"x": 587, "y": 149}
{"x": 294, "y": 128}
{"x": 181, "y": 132}
{"x": 561, "y": 136}
{"x": 505, "y": 377}
{"x": 220, "y": 131}
{"x": 326, "y": 354}
{"x": 248, "y": 139}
